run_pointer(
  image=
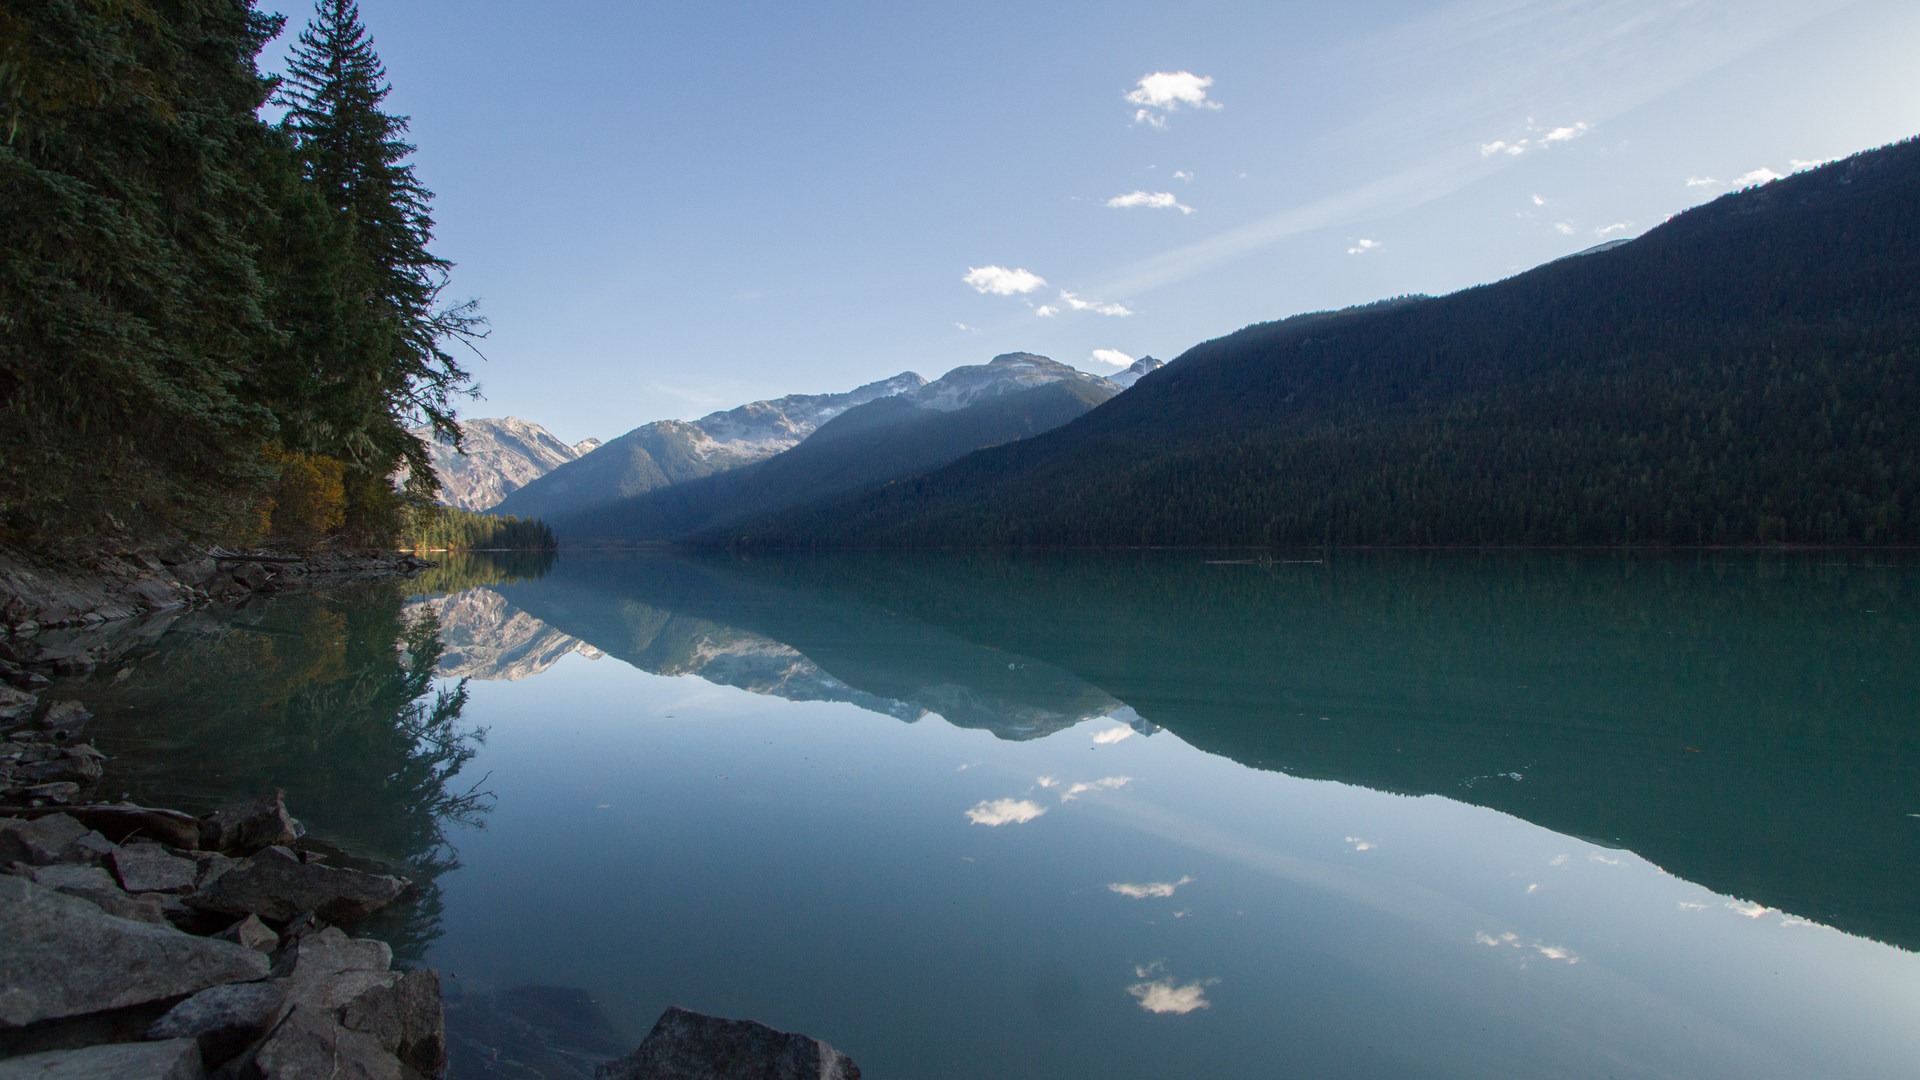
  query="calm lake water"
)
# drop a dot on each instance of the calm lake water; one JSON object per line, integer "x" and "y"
{"x": 1108, "y": 816}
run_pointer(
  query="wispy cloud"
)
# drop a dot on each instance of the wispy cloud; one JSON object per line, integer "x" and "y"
{"x": 1799, "y": 164}
{"x": 1512, "y": 940}
{"x": 1564, "y": 228}
{"x": 1046, "y": 311}
{"x": 1152, "y": 890}
{"x": 1761, "y": 175}
{"x": 1609, "y": 230}
{"x": 1112, "y": 358}
{"x": 1001, "y": 281}
{"x": 1113, "y": 734}
{"x": 1363, "y": 246}
{"x": 1702, "y": 181}
{"x": 1164, "y": 92}
{"x": 1166, "y": 995}
{"x": 965, "y": 329}
{"x": 1360, "y": 844}
{"x": 998, "y": 812}
{"x": 1098, "y": 307}
{"x": 1108, "y": 783}
{"x": 1182, "y": 174}
{"x": 1538, "y": 201}
{"x": 1152, "y": 200}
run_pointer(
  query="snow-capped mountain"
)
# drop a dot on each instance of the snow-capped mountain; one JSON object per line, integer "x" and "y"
{"x": 501, "y": 455}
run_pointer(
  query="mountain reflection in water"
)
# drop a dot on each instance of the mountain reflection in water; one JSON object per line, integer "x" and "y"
{"x": 1743, "y": 722}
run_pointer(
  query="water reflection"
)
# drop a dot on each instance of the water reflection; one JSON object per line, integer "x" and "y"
{"x": 333, "y": 698}
{"x": 1744, "y": 723}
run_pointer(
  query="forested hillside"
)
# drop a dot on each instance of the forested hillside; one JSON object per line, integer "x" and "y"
{"x": 1748, "y": 372}
{"x": 210, "y": 326}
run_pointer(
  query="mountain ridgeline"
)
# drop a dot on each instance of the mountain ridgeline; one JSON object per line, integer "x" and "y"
{"x": 1014, "y": 397}
{"x": 1747, "y": 373}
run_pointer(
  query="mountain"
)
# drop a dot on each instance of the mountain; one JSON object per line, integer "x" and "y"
{"x": 1142, "y": 366}
{"x": 502, "y": 455}
{"x": 1014, "y": 396}
{"x": 671, "y": 451}
{"x": 484, "y": 637}
{"x": 1748, "y": 372}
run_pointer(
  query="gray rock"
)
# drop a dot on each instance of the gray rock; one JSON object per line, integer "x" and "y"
{"x": 252, "y": 933}
{"x": 251, "y": 576}
{"x": 224, "y": 1020}
{"x": 121, "y": 822}
{"x": 274, "y": 884}
{"x": 210, "y": 865}
{"x": 260, "y": 824}
{"x": 407, "y": 1018}
{"x": 58, "y": 793}
{"x": 63, "y": 956}
{"x": 176, "y": 1059}
{"x": 196, "y": 573}
{"x": 310, "y": 1045}
{"x": 148, "y": 868}
{"x": 91, "y": 849}
{"x": 329, "y": 969}
{"x": 40, "y": 841}
{"x": 97, "y": 887}
{"x": 687, "y": 1045}
{"x": 16, "y": 704}
{"x": 68, "y": 715}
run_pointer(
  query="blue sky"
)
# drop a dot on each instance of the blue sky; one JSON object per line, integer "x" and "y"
{"x": 668, "y": 209}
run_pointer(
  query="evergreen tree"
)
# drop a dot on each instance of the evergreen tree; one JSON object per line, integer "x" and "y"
{"x": 399, "y": 372}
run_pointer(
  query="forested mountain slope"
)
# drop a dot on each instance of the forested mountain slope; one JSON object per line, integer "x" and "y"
{"x": 1748, "y": 372}
{"x": 881, "y": 440}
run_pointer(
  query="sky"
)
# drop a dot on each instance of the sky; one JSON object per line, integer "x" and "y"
{"x": 668, "y": 209}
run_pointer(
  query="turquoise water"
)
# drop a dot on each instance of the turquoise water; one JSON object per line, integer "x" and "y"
{"x": 1374, "y": 815}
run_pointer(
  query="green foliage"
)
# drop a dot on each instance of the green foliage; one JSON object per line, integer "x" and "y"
{"x": 449, "y": 528}
{"x": 1748, "y": 373}
{"x": 186, "y": 304}
{"x": 457, "y": 571}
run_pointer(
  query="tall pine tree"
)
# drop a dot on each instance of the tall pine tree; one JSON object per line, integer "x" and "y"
{"x": 398, "y": 371}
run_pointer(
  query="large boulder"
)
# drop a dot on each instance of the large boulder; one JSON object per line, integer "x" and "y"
{"x": 41, "y": 841}
{"x": 406, "y": 1018}
{"x": 62, "y": 956}
{"x": 275, "y": 885}
{"x": 175, "y": 1059}
{"x": 224, "y": 1020}
{"x": 686, "y": 1045}
{"x": 150, "y": 868}
{"x": 16, "y": 704}
{"x": 311, "y": 1045}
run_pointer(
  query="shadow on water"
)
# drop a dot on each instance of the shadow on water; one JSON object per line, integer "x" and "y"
{"x": 1746, "y": 722}
{"x": 332, "y": 698}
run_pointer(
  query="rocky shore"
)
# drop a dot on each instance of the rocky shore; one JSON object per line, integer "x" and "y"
{"x": 37, "y": 595}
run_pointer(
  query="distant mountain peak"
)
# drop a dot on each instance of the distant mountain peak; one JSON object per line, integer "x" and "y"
{"x": 498, "y": 456}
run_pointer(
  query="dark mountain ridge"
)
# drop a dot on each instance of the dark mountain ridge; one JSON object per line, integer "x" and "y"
{"x": 1748, "y": 372}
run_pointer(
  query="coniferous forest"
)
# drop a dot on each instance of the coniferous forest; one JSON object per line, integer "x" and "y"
{"x": 212, "y": 326}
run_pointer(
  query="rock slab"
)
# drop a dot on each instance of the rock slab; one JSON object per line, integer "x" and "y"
{"x": 686, "y": 1045}
{"x": 223, "y": 1020}
{"x": 61, "y": 956}
{"x": 274, "y": 884}
{"x": 176, "y": 1059}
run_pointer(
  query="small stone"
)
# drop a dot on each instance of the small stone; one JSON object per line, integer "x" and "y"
{"x": 40, "y": 841}
{"x": 175, "y": 1059}
{"x": 16, "y": 704}
{"x": 276, "y": 885}
{"x": 686, "y": 1045}
{"x": 65, "y": 957}
{"x": 252, "y": 933}
{"x": 148, "y": 868}
{"x": 68, "y": 715}
{"x": 223, "y": 1019}
{"x": 260, "y": 824}
{"x": 310, "y": 1045}
{"x": 407, "y": 1018}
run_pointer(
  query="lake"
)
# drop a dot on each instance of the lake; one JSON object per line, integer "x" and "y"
{"x": 1142, "y": 815}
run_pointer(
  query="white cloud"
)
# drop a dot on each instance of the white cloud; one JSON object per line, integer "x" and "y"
{"x": 1097, "y": 307}
{"x": 1538, "y": 201}
{"x": 1001, "y": 281}
{"x": 1108, "y": 783}
{"x": 1048, "y": 781}
{"x": 998, "y": 812}
{"x": 964, "y": 328}
{"x": 1363, "y": 246}
{"x": 1797, "y": 164}
{"x": 1760, "y": 175}
{"x": 1164, "y": 995}
{"x": 1565, "y": 134}
{"x": 1359, "y": 844}
{"x": 1609, "y": 230}
{"x": 1502, "y": 146}
{"x": 1748, "y": 908}
{"x": 1046, "y": 311}
{"x": 1551, "y": 952}
{"x": 1152, "y": 890}
{"x": 1154, "y": 200}
{"x": 1537, "y": 139}
{"x": 1166, "y": 91}
{"x": 1113, "y": 734}
{"x": 1564, "y": 228}
{"x": 1182, "y": 174}
{"x": 1701, "y": 181}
